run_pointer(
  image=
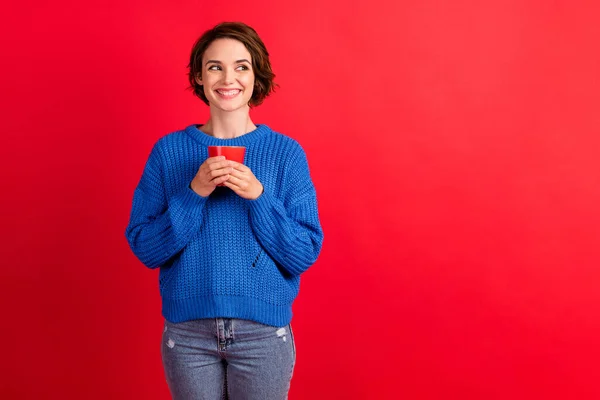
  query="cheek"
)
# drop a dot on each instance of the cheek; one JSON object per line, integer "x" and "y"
{"x": 250, "y": 85}
{"x": 249, "y": 81}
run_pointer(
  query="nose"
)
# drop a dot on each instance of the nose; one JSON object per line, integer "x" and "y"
{"x": 229, "y": 76}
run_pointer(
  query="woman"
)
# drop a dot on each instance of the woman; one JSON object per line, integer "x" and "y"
{"x": 231, "y": 239}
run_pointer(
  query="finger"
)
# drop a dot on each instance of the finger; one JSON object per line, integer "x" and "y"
{"x": 235, "y": 180}
{"x": 231, "y": 185}
{"x": 212, "y": 160}
{"x": 239, "y": 166}
{"x": 242, "y": 184}
{"x": 220, "y": 179}
{"x": 223, "y": 165}
{"x": 219, "y": 164}
{"x": 237, "y": 173}
{"x": 218, "y": 172}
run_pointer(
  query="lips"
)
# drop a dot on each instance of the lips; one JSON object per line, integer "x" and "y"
{"x": 228, "y": 93}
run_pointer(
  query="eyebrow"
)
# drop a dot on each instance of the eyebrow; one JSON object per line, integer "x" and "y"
{"x": 219, "y": 62}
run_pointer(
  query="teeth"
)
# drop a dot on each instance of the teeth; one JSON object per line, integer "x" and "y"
{"x": 228, "y": 92}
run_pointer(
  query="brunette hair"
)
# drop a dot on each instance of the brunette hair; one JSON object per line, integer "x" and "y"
{"x": 263, "y": 75}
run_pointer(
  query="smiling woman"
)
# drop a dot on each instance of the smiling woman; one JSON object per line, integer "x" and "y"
{"x": 227, "y": 76}
{"x": 231, "y": 238}
{"x": 240, "y": 40}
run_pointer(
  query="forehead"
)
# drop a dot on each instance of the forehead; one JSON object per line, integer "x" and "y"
{"x": 226, "y": 50}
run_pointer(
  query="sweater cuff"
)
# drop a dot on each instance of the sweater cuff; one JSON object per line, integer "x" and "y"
{"x": 262, "y": 204}
{"x": 185, "y": 209}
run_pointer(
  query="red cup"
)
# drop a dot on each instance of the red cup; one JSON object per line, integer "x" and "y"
{"x": 233, "y": 153}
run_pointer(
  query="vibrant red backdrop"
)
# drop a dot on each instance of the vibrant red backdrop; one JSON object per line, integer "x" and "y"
{"x": 454, "y": 146}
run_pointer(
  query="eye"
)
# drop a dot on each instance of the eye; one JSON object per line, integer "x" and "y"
{"x": 214, "y": 68}
{"x": 243, "y": 67}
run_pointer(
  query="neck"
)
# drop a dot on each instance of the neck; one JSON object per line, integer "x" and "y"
{"x": 228, "y": 124}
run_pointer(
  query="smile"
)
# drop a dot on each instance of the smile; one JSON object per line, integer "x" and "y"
{"x": 228, "y": 94}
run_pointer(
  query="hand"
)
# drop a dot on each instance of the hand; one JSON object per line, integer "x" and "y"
{"x": 213, "y": 171}
{"x": 243, "y": 182}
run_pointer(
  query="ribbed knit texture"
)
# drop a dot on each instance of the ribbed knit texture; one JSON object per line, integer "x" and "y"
{"x": 222, "y": 255}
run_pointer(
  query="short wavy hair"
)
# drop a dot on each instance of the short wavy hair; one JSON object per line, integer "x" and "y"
{"x": 263, "y": 75}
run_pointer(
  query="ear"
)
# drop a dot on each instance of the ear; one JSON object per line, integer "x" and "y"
{"x": 199, "y": 79}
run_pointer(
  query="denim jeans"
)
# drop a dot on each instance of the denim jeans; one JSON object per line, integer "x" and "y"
{"x": 223, "y": 358}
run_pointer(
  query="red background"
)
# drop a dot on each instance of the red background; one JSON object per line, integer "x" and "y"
{"x": 454, "y": 147}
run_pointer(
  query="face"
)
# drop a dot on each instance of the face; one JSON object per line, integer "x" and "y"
{"x": 227, "y": 75}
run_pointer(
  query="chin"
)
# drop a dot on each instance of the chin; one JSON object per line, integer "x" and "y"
{"x": 229, "y": 107}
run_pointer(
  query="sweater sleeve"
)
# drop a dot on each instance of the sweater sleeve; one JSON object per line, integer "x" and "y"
{"x": 289, "y": 228}
{"x": 160, "y": 227}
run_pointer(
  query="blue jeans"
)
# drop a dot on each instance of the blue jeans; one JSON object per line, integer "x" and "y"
{"x": 223, "y": 358}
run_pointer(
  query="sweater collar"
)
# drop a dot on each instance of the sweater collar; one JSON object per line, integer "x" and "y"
{"x": 243, "y": 140}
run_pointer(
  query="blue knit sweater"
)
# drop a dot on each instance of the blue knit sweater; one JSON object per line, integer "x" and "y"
{"x": 222, "y": 255}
